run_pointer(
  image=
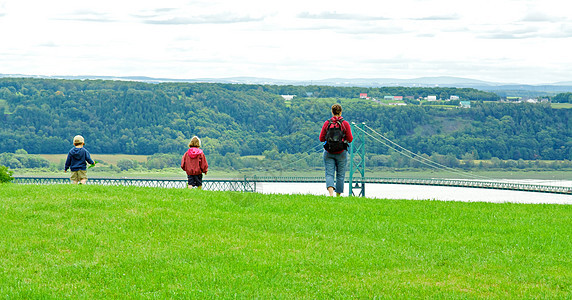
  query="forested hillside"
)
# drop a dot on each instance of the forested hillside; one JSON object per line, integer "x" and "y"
{"x": 42, "y": 116}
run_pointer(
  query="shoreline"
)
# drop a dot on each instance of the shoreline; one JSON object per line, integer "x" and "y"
{"x": 217, "y": 174}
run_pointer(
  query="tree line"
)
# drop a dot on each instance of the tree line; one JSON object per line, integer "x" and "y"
{"x": 562, "y": 98}
{"x": 42, "y": 116}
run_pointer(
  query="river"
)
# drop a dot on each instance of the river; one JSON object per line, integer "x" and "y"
{"x": 421, "y": 192}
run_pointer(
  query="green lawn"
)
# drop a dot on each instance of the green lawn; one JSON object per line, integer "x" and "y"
{"x": 97, "y": 242}
{"x": 107, "y": 158}
{"x": 561, "y": 105}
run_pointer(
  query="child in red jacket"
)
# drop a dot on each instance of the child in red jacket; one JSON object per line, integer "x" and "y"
{"x": 195, "y": 164}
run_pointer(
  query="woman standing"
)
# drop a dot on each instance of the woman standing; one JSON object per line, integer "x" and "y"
{"x": 336, "y": 133}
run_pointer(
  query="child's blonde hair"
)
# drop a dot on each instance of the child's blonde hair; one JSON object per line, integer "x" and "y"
{"x": 195, "y": 142}
{"x": 78, "y": 140}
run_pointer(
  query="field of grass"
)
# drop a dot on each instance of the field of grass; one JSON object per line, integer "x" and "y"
{"x": 69, "y": 242}
{"x": 561, "y": 105}
{"x": 107, "y": 158}
{"x": 442, "y": 105}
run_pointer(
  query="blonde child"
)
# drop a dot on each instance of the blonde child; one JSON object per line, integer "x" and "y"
{"x": 195, "y": 164}
{"x": 77, "y": 160}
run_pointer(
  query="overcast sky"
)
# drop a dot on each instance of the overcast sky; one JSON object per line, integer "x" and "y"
{"x": 523, "y": 41}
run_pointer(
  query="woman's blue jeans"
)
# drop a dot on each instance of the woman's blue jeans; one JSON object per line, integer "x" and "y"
{"x": 335, "y": 170}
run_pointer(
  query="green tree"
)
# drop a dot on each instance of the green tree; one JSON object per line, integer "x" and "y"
{"x": 5, "y": 174}
{"x": 562, "y": 98}
{"x": 21, "y": 151}
{"x": 444, "y": 95}
{"x": 125, "y": 164}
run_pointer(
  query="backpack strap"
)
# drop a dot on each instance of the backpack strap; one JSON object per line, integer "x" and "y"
{"x": 341, "y": 122}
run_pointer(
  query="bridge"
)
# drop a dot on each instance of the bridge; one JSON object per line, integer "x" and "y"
{"x": 249, "y": 184}
{"x": 360, "y": 181}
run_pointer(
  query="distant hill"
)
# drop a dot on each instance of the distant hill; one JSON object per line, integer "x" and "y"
{"x": 563, "y": 83}
{"x": 133, "y": 117}
{"x": 502, "y": 89}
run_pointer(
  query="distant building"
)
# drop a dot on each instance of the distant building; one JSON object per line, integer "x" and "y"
{"x": 388, "y": 98}
{"x": 431, "y": 98}
{"x": 397, "y": 103}
{"x": 453, "y": 97}
{"x": 465, "y": 104}
{"x": 288, "y": 97}
{"x": 363, "y": 96}
{"x": 398, "y": 98}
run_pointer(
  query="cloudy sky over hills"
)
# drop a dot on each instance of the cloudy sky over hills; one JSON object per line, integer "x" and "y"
{"x": 512, "y": 41}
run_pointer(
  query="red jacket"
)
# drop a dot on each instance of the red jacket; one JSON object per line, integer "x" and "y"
{"x": 194, "y": 162}
{"x": 346, "y": 128}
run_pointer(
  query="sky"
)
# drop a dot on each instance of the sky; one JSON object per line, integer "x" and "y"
{"x": 507, "y": 41}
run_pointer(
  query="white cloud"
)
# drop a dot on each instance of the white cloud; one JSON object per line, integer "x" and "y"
{"x": 329, "y": 15}
{"x": 223, "y": 18}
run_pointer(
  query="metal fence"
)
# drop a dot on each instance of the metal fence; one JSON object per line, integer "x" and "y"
{"x": 239, "y": 185}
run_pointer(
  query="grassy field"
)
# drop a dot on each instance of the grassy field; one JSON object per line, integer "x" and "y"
{"x": 69, "y": 242}
{"x": 107, "y": 158}
{"x": 561, "y": 105}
